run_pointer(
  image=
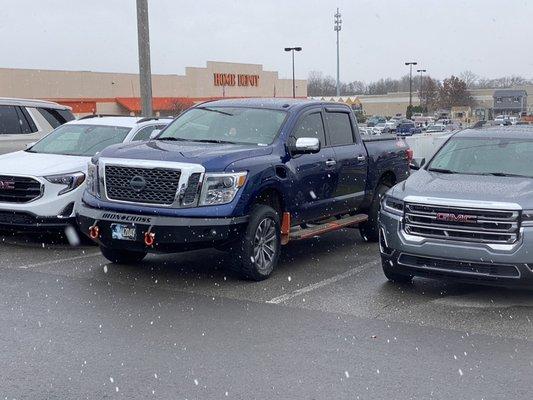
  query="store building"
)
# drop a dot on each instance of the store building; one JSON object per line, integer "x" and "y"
{"x": 118, "y": 93}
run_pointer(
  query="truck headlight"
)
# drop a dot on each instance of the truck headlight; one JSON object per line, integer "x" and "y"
{"x": 71, "y": 181}
{"x": 221, "y": 188}
{"x": 93, "y": 186}
{"x": 392, "y": 205}
{"x": 527, "y": 218}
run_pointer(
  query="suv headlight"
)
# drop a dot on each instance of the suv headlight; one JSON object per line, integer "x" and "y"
{"x": 93, "y": 186}
{"x": 221, "y": 188}
{"x": 71, "y": 181}
{"x": 392, "y": 205}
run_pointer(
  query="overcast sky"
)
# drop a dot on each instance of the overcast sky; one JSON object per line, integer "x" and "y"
{"x": 490, "y": 37}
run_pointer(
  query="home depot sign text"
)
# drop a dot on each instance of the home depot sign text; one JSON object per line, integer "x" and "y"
{"x": 235, "y": 79}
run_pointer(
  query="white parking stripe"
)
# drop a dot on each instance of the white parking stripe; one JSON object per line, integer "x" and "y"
{"x": 60, "y": 260}
{"x": 325, "y": 282}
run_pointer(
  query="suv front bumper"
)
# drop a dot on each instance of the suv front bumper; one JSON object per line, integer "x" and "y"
{"x": 497, "y": 264}
{"x": 171, "y": 234}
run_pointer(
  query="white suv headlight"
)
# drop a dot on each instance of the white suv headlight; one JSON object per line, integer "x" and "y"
{"x": 221, "y": 188}
{"x": 71, "y": 180}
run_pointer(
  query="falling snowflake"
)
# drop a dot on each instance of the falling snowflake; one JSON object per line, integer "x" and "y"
{"x": 312, "y": 194}
{"x": 289, "y": 278}
{"x": 460, "y": 372}
{"x": 196, "y": 382}
{"x": 346, "y": 374}
{"x": 105, "y": 269}
{"x": 111, "y": 379}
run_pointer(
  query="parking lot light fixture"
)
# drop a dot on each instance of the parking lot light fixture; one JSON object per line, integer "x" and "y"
{"x": 292, "y": 50}
{"x": 410, "y": 64}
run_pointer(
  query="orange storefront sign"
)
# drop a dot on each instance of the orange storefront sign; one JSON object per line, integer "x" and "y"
{"x": 220, "y": 79}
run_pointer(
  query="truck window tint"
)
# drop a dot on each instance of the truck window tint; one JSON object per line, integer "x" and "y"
{"x": 144, "y": 133}
{"x": 29, "y": 119}
{"x": 24, "y": 124}
{"x": 56, "y": 117}
{"x": 9, "y": 120}
{"x": 311, "y": 126}
{"x": 340, "y": 128}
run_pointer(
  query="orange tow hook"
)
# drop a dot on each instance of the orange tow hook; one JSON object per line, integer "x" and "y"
{"x": 149, "y": 238}
{"x": 94, "y": 232}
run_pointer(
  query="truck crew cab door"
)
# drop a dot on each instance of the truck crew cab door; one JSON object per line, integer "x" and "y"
{"x": 350, "y": 156}
{"x": 315, "y": 174}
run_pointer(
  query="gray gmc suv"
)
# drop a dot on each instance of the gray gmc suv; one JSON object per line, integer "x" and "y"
{"x": 467, "y": 214}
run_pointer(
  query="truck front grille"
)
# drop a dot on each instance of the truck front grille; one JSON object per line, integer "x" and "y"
{"x": 142, "y": 185}
{"x": 19, "y": 189}
{"x": 464, "y": 224}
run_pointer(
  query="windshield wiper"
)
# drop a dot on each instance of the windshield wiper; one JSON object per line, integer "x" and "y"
{"x": 212, "y": 141}
{"x": 172, "y": 139}
{"x": 505, "y": 174}
{"x": 442, "y": 170}
{"x": 217, "y": 111}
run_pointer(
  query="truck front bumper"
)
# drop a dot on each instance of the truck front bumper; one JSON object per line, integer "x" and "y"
{"x": 170, "y": 234}
{"x": 481, "y": 263}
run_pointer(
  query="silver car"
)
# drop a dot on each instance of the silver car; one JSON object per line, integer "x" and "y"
{"x": 467, "y": 214}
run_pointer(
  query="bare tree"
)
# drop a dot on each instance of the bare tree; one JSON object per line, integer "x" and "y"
{"x": 469, "y": 78}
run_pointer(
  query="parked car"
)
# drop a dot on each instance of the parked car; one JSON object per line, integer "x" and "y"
{"x": 373, "y": 121}
{"x": 407, "y": 128}
{"x": 39, "y": 186}
{"x": 241, "y": 175}
{"x": 467, "y": 214}
{"x": 436, "y": 128}
{"x": 24, "y": 121}
{"x": 502, "y": 120}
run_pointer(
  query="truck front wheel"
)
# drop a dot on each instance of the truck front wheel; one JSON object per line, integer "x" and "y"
{"x": 122, "y": 256}
{"x": 370, "y": 229}
{"x": 258, "y": 251}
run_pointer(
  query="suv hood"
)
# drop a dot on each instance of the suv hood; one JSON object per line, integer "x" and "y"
{"x": 467, "y": 187}
{"x": 39, "y": 164}
{"x": 213, "y": 156}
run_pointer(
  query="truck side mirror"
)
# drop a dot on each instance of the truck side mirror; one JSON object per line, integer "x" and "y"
{"x": 305, "y": 145}
{"x": 155, "y": 133}
{"x": 417, "y": 163}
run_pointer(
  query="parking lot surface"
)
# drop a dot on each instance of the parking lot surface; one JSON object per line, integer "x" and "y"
{"x": 326, "y": 325}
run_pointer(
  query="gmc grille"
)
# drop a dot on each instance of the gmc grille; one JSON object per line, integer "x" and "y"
{"x": 18, "y": 189}
{"x": 464, "y": 224}
{"x": 160, "y": 184}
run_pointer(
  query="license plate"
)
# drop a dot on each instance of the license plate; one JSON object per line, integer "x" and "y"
{"x": 123, "y": 232}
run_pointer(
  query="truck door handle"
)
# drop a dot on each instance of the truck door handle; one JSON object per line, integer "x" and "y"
{"x": 330, "y": 163}
{"x": 361, "y": 158}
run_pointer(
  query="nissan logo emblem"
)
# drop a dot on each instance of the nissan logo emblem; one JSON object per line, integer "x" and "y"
{"x": 138, "y": 183}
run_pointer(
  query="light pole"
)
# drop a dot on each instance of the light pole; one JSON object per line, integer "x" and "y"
{"x": 293, "y": 49}
{"x": 145, "y": 73}
{"x": 337, "y": 28}
{"x": 420, "y": 84}
{"x": 411, "y": 63}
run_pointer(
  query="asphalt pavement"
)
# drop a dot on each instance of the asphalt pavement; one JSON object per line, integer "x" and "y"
{"x": 326, "y": 325}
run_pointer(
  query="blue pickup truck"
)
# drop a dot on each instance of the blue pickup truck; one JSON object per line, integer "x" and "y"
{"x": 241, "y": 175}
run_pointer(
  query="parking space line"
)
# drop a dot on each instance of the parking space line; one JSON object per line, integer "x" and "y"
{"x": 60, "y": 260}
{"x": 320, "y": 284}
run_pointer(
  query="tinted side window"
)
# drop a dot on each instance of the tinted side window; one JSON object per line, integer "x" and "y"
{"x": 9, "y": 120}
{"x": 24, "y": 124}
{"x": 144, "y": 133}
{"x": 311, "y": 126}
{"x": 56, "y": 117}
{"x": 340, "y": 128}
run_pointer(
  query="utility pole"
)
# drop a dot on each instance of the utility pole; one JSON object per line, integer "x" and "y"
{"x": 145, "y": 72}
{"x": 337, "y": 28}
{"x": 420, "y": 84}
{"x": 293, "y": 49}
{"x": 410, "y": 64}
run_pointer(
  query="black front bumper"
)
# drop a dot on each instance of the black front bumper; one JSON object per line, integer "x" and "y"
{"x": 25, "y": 221}
{"x": 172, "y": 234}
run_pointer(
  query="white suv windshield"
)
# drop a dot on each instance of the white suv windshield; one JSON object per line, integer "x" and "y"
{"x": 80, "y": 140}
{"x": 226, "y": 125}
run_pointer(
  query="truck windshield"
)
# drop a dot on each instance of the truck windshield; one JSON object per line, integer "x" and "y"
{"x": 226, "y": 124}
{"x": 80, "y": 140}
{"x": 485, "y": 156}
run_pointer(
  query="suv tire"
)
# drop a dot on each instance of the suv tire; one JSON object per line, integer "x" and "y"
{"x": 122, "y": 256}
{"x": 370, "y": 229}
{"x": 259, "y": 248}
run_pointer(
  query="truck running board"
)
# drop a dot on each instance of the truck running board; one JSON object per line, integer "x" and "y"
{"x": 346, "y": 222}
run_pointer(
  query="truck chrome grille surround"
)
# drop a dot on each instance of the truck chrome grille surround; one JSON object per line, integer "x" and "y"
{"x": 463, "y": 224}
{"x": 19, "y": 189}
{"x": 457, "y": 266}
{"x": 143, "y": 185}
{"x": 191, "y": 192}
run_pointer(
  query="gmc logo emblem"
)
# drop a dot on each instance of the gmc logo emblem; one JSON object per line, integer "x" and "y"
{"x": 7, "y": 185}
{"x": 449, "y": 217}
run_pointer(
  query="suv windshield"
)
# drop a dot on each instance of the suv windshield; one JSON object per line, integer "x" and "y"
{"x": 80, "y": 140}
{"x": 226, "y": 124}
{"x": 485, "y": 156}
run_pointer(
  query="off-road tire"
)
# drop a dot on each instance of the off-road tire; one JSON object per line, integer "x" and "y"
{"x": 370, "y": 228}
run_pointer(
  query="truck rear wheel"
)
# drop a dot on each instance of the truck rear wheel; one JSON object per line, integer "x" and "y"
{"x": 122, "y": 256}
{"x": 370, "y": 229}
{"x": 258, "y": 251}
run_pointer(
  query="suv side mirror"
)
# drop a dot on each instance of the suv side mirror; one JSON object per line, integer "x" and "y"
{"x": 305, "y": 145}
{"x": 155, "y": 133}
{"x": 417, "y": 163}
